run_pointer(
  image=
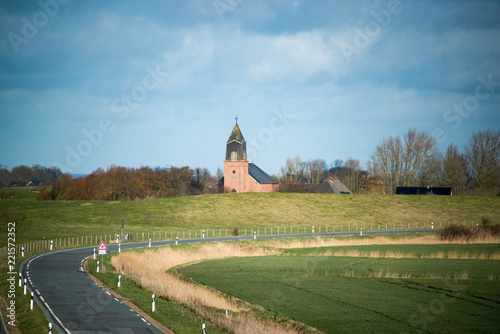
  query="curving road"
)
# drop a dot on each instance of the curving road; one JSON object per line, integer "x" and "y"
{"x": 73, "y": 303}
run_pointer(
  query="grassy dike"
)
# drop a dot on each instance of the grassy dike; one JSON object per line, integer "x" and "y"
{"x": 63, "y": 219}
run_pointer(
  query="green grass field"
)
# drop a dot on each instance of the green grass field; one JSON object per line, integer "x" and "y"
{"x": 340, "y": 294}
{"x": 221, "y": 213}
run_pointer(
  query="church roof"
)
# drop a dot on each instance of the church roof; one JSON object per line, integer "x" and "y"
{"x": 259, "y": 175}
{"x": 236, "y": 135}
{"x": 236, "y": 146}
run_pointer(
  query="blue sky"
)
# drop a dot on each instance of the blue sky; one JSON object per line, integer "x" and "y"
{"x": 89, "y": 84}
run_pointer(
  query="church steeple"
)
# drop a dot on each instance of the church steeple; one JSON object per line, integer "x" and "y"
{"x": 236, "y": 146}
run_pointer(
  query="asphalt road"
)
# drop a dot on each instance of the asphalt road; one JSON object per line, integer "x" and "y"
{"x": 73, "y": 303}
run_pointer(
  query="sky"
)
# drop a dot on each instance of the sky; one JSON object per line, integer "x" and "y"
{"x": 90, "y": 84}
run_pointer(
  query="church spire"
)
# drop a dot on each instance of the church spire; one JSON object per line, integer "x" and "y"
{"x": 236, "y": 146}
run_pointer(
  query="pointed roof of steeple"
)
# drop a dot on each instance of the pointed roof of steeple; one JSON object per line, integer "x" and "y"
{"x": 236, "y": 135}
{"x": 236, "y": 146}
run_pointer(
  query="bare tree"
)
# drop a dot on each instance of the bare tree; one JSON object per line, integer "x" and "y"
{"x": 454, "y": 169}
{"x": 483, "y": 154}
{"x": 387, "y": 161}
{"x": 314, "y": 171}
{"x": 293, "y": 169}
{"x": 352, "y": 179}
{"x": 418, "y": 146}
{"x": 399, "y": 161}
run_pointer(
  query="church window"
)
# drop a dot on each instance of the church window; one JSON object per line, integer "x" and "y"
{"x": 234, "y": 155}
{"x": 234, "y": 172}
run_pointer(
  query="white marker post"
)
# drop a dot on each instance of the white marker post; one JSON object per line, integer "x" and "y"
{"x": 203, "y": 234}
{"x": 154, "y": 304}
{"x": 119, "y": 248}
{"x": 31, "y": 303}
{"x": 97, "y": 266}
{"x": 254, "y": 235}
{"x": 20, "y": 280}
{"x": 432, "y": 225}
{"x": 25, "y": 281}
{"x": 51, "y": 244}
{"x": 313, "y": 229}
{"x": 119, "y": 280}
{"x": 117, "y": 238}
{"x": 227, "y": 313}
{"x": 94, "y": 253}
{"x": 50, "y": 328}
{"x": 361, "y": 231}
{"x": 22, "y": 251}
{"x": 149, "y": 243}
{"x": 203, "y": 328}
{"x": 176, "y": 240}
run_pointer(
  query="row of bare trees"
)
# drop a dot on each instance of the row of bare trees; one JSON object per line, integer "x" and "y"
{"x": 409, "y": 160}
{"x": 414, "y": 160}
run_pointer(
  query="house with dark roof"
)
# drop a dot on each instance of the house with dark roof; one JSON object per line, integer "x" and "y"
{"x": 239, "y": 174}
{"x": 334, "y": 186}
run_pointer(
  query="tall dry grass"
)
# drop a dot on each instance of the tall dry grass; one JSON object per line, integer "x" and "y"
{"x": 148, "y": 269}
{"x": 378, "y": 240}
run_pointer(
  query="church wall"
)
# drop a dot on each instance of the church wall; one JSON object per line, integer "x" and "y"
{"x": 237, "y": 180}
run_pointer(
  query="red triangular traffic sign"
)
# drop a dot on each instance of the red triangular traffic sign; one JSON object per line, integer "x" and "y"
{"x": 102, "y": 246}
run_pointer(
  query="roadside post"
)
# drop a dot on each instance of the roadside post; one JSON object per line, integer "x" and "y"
{"x": 313, "y": 229}
{"x": 119, "y": 280}
{"x": 203, "y": 234}
{"x": 94, "y": 253}
{"x": 432, "y": 225}
{"x": 20, "y": 280}
{"x": 51, "y": 244}
{"x": 176, "y": 240}
{"x": 361, "y": 231}
{"x": 25, "y": 283}
{"x": 31, "y": 303}
{"x": 254, "y": 235}
{"x": 154, "y": 304}
{"x": 22, "y": 251}
{"x": 50, "y": 328}
{"x": 150, "y": 243}
{"x": 119, "y": 248}
{"x": 203, "y": 329}
{"x": 123, "y": 225}
{"x": 97, "y": 266}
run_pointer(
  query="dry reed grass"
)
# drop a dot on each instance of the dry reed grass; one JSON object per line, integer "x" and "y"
{"x": 378, "y": 240}
{"x": 148, "y": 269}
{"x": 318, "y": 242}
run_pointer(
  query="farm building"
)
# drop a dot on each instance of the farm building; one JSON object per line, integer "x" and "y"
{"x": 424, "y": 191}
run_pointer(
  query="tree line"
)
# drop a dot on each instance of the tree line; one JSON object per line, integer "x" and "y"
{"x": 121, "y": 183}
{"x": 412, "y": 159}
{"x": 24, "y": 175}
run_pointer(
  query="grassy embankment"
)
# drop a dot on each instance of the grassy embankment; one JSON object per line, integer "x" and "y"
{"x": 221, "y": 213}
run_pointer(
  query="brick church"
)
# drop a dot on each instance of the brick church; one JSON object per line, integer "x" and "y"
{"x": 239, "y": 175}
